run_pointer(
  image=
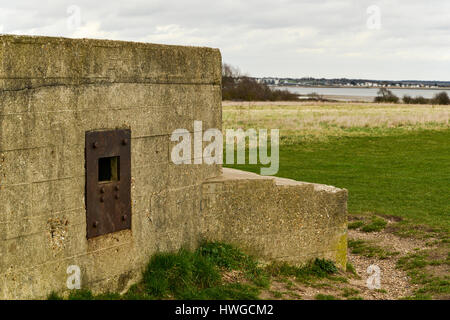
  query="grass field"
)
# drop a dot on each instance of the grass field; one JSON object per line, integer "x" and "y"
{"x": 395, "y": 162}
{"x": 393, "y": 159}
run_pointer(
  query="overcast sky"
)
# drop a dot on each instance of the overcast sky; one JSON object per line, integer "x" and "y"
{"x": 385, "y": 39}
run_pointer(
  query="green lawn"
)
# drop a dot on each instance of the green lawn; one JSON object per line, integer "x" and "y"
{"x": 405, "y": 175}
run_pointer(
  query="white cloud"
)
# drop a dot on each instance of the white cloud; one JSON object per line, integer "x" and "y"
{"x": 93, "y": 30}
{"x": 266, "y": 37}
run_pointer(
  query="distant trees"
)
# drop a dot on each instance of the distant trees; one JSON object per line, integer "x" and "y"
{"x": 240, "y": 87}
{"x": 439, "y": 98}
{"x": 229, "y": 75}
{"x": 386, "y": 95}
{"x": 417, "y": 100}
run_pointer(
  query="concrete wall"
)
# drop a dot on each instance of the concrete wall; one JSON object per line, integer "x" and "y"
{"x": 276, "y": 218}
{"x": 53, "y": 90}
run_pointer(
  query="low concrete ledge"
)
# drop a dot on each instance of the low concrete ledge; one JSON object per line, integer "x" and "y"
{"x": 276, "y": 218}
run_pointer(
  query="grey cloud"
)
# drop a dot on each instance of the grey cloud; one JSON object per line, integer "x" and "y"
{"x": 278, "y": 37}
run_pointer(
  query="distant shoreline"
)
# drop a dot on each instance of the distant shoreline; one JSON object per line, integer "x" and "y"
{"x": 228, "y": 103}
{"x": 347, "y": 98}
{"x": 361, "y": 87}
{"x": 357, "y": 94}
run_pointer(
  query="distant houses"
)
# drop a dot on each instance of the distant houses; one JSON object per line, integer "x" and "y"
{"x": 344, "y": 82}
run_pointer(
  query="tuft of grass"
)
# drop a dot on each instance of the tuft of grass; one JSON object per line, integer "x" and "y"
{"x": 230, "y": 291}
{"x": 137, "y": 292}
{"x": 318, "y": 268}
{"x": 355, "y": 298}
{"x": 81, "y": 295}
{"x": 338, "y": 279}
{"x": 351, "y": 269}
{"x": 228, "y": 257}
{"x": 325, "y": 297}
{"x": 225, "y": 255}
{"x": 349, "y": 292}
{"x": 323, "y": 267}
{"x": 84, "y": 294}
{"x": 418, "y": 297}
{"x": 294, "y": 295}
{"x": 277, "y": 294}
{"x": 356, "y": 224}
{"x": 377, "y": 224}
{"x": 179, "y": 275}
{"x": 361, "y": 247}
{"x": 54, "y": 296}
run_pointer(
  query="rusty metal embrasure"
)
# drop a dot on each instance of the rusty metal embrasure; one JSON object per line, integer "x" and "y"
{"x": 108, "y": 181}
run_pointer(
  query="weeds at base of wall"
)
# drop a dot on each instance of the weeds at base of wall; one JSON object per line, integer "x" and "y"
{"x": 214, "y": 271}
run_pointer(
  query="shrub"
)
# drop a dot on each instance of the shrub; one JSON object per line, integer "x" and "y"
{"x": 407, "y": 99}
{"x": 421, "y": 100}
{"x": 416, "y": 100}
{"x": 441, "y": 98}
{"x": 385, "y": 95}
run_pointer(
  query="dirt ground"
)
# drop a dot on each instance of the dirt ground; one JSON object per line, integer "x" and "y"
{"x": 394, "y": 282}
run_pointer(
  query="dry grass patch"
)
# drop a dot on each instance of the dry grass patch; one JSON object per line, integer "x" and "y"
{"x": 319, "y": 120}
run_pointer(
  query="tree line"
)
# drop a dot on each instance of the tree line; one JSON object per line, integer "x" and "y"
{"x": 236, "y": 86}
{"x": 386, "y": 95}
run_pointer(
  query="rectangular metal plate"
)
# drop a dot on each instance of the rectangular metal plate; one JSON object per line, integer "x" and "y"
{"x": 108, "y": 202}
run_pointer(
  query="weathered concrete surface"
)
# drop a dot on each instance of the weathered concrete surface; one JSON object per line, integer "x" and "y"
{"x": 53, "y": 90}
{"x": 275, "y": 218}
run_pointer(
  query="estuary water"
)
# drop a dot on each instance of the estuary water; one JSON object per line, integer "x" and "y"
{"x": 363, "y": 92}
